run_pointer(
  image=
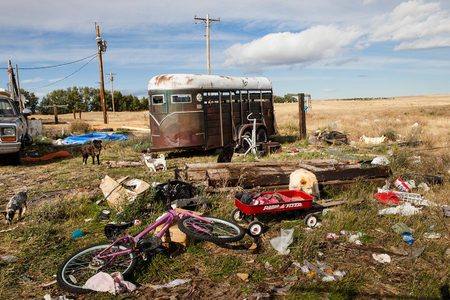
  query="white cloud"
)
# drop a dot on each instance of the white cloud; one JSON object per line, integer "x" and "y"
{"x": 437, "y": 42}
{"x": 367, "y": 2}
{"x": 416, "y": 24}
{"x": 287, "y": 48}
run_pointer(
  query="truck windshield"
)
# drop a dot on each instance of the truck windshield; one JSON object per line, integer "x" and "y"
{"x": 6, "y": 108}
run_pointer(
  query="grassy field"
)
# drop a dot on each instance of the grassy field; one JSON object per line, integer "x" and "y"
{"x": 63, "y": 195}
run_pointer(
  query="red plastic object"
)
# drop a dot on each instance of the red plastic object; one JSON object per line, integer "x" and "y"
{"x": 387, "y": 198}
{"x": 298, "y": 200}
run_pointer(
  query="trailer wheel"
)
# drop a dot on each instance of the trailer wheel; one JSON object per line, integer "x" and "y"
{"x": 255, "y": 228}
{"x": 237, "y": 215}
{"x": 311, "y": 220}
{"x": 261, "y": 135}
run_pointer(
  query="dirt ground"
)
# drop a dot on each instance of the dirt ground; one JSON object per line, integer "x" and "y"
{"x": 63, "y": 193}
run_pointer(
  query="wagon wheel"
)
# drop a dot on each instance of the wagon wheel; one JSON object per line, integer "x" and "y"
{"x": 311, "y": 220}
{"x": 238, "y": 215}
{"x": 255, "y": 228}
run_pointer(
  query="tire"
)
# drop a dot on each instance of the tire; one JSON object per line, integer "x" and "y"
{"x": 120, "y": 264}
{"x": 255, "y": 228}
{"x": 237, "y": 215}
{"x": 14, "y": 158}
{"x": 261, "y": 135}
{"x": 219, "y": 231}
{"x": 311, "y": 220}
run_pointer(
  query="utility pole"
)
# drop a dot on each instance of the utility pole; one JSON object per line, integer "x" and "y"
{"x": 207, "y": 21}
{"x": 101, "y": 47}
{"x": 111, "y": 78}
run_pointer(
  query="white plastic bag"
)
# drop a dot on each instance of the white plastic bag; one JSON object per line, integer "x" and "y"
{"x": 282, "y": 242}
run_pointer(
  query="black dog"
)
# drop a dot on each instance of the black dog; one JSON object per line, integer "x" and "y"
{"x": 226, "y": 154}
{"x": 93, "y": 150}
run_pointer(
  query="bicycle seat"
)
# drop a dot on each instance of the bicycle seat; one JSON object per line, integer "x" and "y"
{"x": 113, "y": 230}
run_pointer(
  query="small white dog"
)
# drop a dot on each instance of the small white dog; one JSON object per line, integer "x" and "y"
{"x": 304, "y": 180}
{"x": 154, "y": 163}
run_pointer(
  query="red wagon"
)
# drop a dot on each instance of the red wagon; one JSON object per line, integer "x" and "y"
{"x": 276, "y": 201}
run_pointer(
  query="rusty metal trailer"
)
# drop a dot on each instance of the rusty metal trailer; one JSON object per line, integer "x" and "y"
{"x": 190, "y": 111}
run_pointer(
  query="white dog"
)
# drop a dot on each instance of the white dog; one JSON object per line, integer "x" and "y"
{"x": 155, "y": 163}
{"x": 304, "y": 180}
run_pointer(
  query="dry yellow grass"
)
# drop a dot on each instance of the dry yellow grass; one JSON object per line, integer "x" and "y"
{"x": 368, "y": 117}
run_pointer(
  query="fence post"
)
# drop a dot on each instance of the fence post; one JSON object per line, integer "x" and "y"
{"x": 302, "y": 116}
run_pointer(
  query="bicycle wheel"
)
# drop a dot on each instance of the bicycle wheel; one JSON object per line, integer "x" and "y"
{"x": 216, "y": 230}
{"x": 82, "y": 265}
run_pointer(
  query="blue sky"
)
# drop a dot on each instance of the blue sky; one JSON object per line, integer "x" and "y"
{"x": 328, "y": 48}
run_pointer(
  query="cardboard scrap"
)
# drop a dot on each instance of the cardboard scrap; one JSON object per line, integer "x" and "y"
{"x": 174, "y": 234}
{"x": 117, "y": 194}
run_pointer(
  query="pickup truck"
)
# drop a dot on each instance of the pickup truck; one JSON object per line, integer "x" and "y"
{"x": 13, "y": 128}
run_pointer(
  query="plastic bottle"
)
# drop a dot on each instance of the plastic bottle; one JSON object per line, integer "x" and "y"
{"x": 408, "y": 238}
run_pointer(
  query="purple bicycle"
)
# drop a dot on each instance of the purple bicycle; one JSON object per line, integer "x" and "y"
{"x": 123, "y": 253}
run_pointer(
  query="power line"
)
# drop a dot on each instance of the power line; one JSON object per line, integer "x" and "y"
{"x": 74, "y": 72}
{"x": 55, "y": 66}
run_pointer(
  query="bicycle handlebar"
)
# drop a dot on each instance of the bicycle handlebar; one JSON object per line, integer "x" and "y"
{"x": 258, "y": 115}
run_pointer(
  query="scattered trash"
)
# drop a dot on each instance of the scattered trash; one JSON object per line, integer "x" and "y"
{"x": 77, "y": 234}
{"x": 332, "y": 236}
{"x": 382, "y": 258}
{"x": 323, "y": 270}
{"x": 50, "y": 156}
{"x": 242, "y": 276}
{"x": 353, "y": 238}
{"x": 380, "y": 161}
{"x": 401, "y": 185}
{"x": 104, "y": 214}
{"x": 171, "y": 284}
{"x": 387, "y": 198}
{"x": 400, "y": 228}
{"x": 282, "y": 242}
{"x": 117, "y": 195}
{"x": 333, "y": 137}
{"x": 423, "y": 186}
{"x": 372, "y": 140}
{"x": 408, "y": 238}
{"x": 304, "y": 180}
{"x": 9, "y": 259}
{"x": 432, "y": 235}
{"x": 174, "y": 190}
{"x": 417, "y": 252}
{"x": 405, "y": 209}
{"x": 88, "y": 220}
{"x": 114, "y": 283}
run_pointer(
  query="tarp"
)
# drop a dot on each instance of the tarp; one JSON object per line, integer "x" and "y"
{"x": 81, "y": 139}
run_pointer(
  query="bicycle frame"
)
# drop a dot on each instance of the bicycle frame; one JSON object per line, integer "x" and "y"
{"x": 168, "y": 219}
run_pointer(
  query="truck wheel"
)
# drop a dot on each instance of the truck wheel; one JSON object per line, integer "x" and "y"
{"x": 14, "y": 158}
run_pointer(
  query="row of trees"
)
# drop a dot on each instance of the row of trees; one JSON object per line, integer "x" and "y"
{"x": 88, "y": 99}
{"x": 84, "y": 99}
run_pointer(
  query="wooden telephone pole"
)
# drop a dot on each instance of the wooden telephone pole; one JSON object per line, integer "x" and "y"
{"x": 111, "y": 79}
{"x": 207, "y": 21}
{"x": 101, "y": 47}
